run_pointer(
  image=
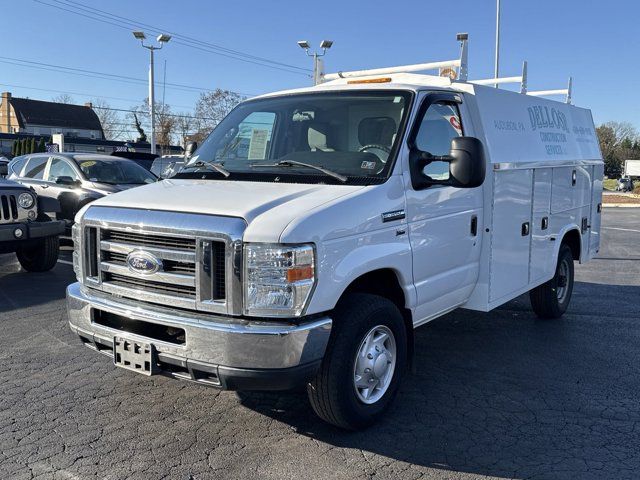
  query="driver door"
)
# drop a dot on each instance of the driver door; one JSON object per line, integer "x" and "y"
{"x": 444, "y": 222}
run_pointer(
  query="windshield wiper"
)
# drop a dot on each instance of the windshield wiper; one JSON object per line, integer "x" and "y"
{"x": 293, "y": 163}
{"x": 211, "y": 166}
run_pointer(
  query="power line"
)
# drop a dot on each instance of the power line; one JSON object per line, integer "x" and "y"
{"x": 93, "y": 74}
{"x": 79, "y": 93}
{"x": 103, "y": 13}
{"x": 160, "y": 114}
{"x": 219, "y": 48}
{"x": 109, "y": 18}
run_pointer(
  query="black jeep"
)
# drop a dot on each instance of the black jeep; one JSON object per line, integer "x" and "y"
{"x": 25, "y": 228}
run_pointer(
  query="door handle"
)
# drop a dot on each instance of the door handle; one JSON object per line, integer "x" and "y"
{"x": 525, "y": 229}
{"x": 44, "y": 186}
{"x": 545, "y": 223}
{"x": 474, "y": 225}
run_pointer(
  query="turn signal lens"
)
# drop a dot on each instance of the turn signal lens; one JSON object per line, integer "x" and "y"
{"x": 300, "y": 273}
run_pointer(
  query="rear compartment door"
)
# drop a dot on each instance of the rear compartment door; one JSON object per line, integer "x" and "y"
{"x": 511, "y": 232}
{"x": 596, "y": 210}
{"x": 542, "y": 264}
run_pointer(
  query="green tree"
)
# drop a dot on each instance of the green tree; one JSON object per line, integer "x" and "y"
{"x": 41, "y": 145}
{"x": 14, "y": 148}
{"x": 608, "y": 147}
{"x": 32, "y": 145}
{"x": 23, "y": 146}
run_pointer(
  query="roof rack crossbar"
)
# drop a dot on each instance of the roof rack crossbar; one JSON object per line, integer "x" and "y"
{"x": 561, "y": 91}
{"x": 460, "y": 64}
{"x": 401, "y": 69}
{"x": 521, "y": 79}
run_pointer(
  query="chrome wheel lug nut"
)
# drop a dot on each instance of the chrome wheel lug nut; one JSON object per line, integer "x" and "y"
{"x": 369, "y": 356}
{"x": 367, "y": 370}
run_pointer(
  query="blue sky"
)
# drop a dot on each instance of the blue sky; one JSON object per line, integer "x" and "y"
{"x": 595, "y": 42}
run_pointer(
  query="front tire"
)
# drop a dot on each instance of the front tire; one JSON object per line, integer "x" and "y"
{"x": 39, "y": 256}
{"x": 551, "y": 299}
{"x": 363, "y": 365}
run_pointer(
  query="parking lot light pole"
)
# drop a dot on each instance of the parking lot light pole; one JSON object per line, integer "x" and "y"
{"x": 162, "y": 39}
{"x": 318, "y": 67}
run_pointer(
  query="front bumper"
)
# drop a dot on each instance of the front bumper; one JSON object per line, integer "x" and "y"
{"x": 231, "y": 353}
{"x": 30, "y": 231}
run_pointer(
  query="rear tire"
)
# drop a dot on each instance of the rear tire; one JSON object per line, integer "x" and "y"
{"x": 551, "y": 299}
{"x": 40, "y": 256}
{"x": 368, "y": 335}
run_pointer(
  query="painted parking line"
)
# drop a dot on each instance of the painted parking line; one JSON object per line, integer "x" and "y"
{"x": 621, "y": 229}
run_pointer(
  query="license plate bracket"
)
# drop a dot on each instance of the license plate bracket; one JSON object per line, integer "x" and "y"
{"x": 133, "y": 355}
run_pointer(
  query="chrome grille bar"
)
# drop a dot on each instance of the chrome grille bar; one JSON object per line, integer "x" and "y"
{"x": 158, "y": 277}
{"x": 164, "y": 253}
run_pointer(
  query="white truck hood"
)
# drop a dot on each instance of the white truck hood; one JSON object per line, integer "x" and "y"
{"x": 284, "y": 202}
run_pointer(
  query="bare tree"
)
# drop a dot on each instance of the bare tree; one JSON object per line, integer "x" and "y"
{"x": 63, "y": 98}
{"x": 623, "y": 130}
{"x": 211, "y": 108}
{"x": 112, "y": 124}
{"x": 165, "y": 122}
{"x": 185, "y": 125}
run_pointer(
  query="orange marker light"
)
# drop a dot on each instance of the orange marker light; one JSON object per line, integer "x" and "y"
{"x": 300, "y": 273}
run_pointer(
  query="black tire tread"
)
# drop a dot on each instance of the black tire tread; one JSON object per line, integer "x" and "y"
{"x": 49, "y": 248}
{"x": 323, "y": 389}
{"x": 544, "y": 300}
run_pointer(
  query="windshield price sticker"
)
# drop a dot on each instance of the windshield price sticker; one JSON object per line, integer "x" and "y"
{"x": 258, "y": 144}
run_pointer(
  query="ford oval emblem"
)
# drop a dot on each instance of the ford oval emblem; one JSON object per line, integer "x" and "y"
{"x": 142, "y": 262}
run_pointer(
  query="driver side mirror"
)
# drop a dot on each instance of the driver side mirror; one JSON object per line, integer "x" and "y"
{"x": 67, "y": 181}
{"x": 467, "y": 165}
{"x": 190, "y": 149}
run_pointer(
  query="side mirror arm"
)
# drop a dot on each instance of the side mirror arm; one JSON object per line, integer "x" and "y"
{"x": 418, "y": 160}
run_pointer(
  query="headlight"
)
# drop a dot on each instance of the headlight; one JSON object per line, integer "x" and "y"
{"x": 26, "y": 200}
{"x": 278, "y": 279}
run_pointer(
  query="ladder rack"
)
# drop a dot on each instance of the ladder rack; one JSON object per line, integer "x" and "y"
{"x": 460, "y": 75}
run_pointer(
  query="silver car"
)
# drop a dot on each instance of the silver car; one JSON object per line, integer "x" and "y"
{"x": 77, "y": 179}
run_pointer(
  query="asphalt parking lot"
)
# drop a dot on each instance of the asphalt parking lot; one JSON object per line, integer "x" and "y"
{"x": 494, "y": 395}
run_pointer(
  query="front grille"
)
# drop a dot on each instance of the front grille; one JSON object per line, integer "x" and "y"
{"x": 188, "y": 271}
{"x": 8, "y": 208}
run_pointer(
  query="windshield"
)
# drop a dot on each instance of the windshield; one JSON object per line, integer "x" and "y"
{"x": 354, "y": 134}
{"x": 115, "y": 172}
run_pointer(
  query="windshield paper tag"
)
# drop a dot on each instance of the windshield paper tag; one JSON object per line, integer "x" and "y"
{"x": 258, "y": 144}
{"x": 366, "y": 165}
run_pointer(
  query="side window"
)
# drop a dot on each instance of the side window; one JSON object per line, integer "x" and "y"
{"x": 250, "y": 139}
{"x": 61, "y": 168}
{"x": 440, "y": 124}
{"x": 35, "y": 168}
{"x": 17, "y": 164}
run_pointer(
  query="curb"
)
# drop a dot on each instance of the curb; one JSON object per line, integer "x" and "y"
{"x": 621, "y": 205}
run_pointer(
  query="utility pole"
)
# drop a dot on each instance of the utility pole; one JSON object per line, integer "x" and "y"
{"x": 496, "y": 70}
{"x": 318, "y": 63}
{"x": 162, "y": 39}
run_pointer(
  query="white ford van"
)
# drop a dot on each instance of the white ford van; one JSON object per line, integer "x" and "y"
{"x": 314, "y": 229}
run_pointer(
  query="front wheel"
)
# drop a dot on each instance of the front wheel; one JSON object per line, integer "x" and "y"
{"x": 551, "y": 299}
{"x": 39, "y": 256}
{"x": 363, "y": 365}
